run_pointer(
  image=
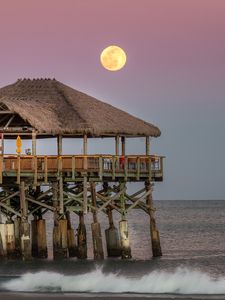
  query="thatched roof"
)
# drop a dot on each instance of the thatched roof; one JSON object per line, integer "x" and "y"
{"x": 51, "y": 107}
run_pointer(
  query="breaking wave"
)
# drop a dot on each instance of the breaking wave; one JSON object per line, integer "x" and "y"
{"x": 181, "y": 281}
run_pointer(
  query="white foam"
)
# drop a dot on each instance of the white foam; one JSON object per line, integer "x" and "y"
{"x": 181, "y": 281}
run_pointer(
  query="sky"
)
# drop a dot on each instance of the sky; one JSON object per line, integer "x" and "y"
{"x": 174, "y": 76}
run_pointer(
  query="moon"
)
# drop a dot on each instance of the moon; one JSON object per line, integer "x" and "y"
{"x": 113, "y": 58}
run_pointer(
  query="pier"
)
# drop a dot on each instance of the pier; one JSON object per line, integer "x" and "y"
{"x": 33, "y": 184}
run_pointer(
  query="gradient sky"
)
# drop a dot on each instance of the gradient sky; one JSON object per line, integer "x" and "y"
{"x": 174, "y": 77}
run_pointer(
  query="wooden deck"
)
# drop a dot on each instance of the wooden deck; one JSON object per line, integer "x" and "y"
{"x": 74, "y": 167}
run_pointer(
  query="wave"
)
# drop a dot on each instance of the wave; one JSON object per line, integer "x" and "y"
{"x": 181, "y": 281}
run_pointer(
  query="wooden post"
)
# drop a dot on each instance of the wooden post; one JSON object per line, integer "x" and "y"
{"x": 112, "y": 237}
{"x": 59, "y": 145}
{"x": 39, "y": 241}
{"x": 96, "y": 228}
{"x": 85, "y": 174}
{"x": 117, "y": 145}
{"x": 17, "y": 222}
{"x": 123, "y": 227}
{"x": 34, "y": 144}
{"x": 156, "y": 248}
{"x": 147, "y": 145}
{"x": 72, "y": 247}
{"x": 60, "y": 227}
{"x": 24, "y": 225}
{"x": 123, "y": 145}
{"x": 81, "y": 238}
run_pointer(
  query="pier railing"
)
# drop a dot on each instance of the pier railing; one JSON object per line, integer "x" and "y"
{"x": 73, "y": 167}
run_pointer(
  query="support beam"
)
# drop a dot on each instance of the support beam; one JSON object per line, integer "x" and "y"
{"x": 156, "y": 247}
{"x": 117, "y": 145}
{"x": 147, "y": 145}
{"x": 72, "y": 247}
{"x": 112, "y": 237}
{"x": 24, "y": 225}
{"x": 123, "y": 227}
{"x": 81, "y": 238}
{"x": 59, "y": 144}
{"x": 123, "y": 149}
{"x": 96, "y": 228}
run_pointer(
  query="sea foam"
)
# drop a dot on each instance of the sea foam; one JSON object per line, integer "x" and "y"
{"x": 181, "y": 281}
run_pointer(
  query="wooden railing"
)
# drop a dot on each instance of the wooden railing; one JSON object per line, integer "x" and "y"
{"x": 103, "y": 165}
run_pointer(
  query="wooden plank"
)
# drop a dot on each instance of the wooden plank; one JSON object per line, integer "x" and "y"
{"x": 41, "y": 204}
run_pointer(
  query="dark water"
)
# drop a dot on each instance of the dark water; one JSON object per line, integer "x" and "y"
{"x": 193, "y": 243}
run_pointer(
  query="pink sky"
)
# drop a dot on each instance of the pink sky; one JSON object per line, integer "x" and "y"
{"x": 174, "y": 77}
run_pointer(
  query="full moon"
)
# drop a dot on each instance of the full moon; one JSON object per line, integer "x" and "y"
{"x": 113, "y": 58}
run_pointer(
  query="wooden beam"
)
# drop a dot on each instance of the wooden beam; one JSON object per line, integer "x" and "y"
{"x": 41, "y": 204}
{"x": 9, "y": 208}
{"x": 9, "y": 122}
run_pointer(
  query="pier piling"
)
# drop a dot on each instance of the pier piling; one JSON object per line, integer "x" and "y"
{"x": 155, "y": 239}
{"x": 112, "y": 237}
{"x": 81, "y": 238}
{"x": 96, "y": 228}
{"x": 72, "y": 247}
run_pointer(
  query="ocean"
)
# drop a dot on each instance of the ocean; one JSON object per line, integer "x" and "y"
{"x": 192, "y": 266}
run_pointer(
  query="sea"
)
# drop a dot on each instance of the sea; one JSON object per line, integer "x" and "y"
{"x": 192, "y": 266}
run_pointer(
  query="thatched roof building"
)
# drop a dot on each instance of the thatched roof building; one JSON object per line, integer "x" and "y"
{"x": 52, "y": 108}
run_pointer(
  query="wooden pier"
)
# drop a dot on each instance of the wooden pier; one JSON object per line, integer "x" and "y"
{"x": 32, "y": 184}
